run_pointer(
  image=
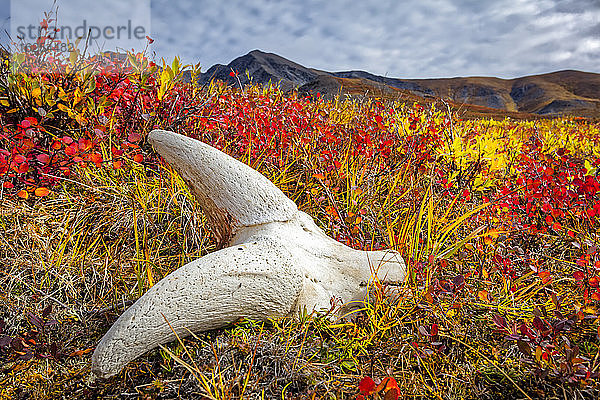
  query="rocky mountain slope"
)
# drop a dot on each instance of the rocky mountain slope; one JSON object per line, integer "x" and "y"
{"x": 261, "y": 68}
{"x": 558, "y": 93}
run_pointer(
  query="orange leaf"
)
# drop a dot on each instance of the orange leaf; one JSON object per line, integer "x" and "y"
{"x": 23, "y": 194}
{"x": 72, "y": 149}
{"x": 545, "y": 276}
{"x": 96, "y": 158}
{"x": 42, "y": 191}
{"x": 484, "y": 295}
{"x": 386, "y": 384}
{"x": 79, "y": 353}
{"x": 319, "y": 176}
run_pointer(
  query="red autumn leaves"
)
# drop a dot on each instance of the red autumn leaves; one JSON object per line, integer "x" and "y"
{"x": 386, "y": 389}
{"x": 35, "y": 152}
{"x": 550, "y": 189}
{"x": 588, "y": 280}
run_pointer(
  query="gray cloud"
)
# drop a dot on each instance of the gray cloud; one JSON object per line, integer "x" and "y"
{"x": 413, "y": 38}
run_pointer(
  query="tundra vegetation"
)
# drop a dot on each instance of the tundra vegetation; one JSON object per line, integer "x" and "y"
{"x": 498, "y": 221}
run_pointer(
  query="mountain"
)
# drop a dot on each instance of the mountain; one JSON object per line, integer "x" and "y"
{"x": 262, "y": 68}
{"x": 558, "y": 93}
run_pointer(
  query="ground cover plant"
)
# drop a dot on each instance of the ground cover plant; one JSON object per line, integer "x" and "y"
{"x": 498, "y": 222}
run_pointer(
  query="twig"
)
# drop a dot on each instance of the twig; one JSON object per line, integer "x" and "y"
{"x": 78, "y": 183}
{"x": 105, "y": 310}
{"x": 489, "y": 361}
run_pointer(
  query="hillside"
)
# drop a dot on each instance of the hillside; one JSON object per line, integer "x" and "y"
{"x": 558, "y": 93}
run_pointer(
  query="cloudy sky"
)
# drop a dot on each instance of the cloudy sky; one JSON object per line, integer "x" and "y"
{"x": 408, "y": 39}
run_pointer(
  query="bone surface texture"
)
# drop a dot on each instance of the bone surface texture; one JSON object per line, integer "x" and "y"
{"x": 275, "y": 260}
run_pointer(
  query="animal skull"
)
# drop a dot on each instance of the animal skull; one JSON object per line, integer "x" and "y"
{"x": 276, "y": 262}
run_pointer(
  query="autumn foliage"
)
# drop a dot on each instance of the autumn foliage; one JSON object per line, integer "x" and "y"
{"x": 498, "y": 220}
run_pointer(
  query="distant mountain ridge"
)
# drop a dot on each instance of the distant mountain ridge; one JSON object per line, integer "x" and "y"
{"x": 558, "y": 93}
{"x": 262, "y": 68}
